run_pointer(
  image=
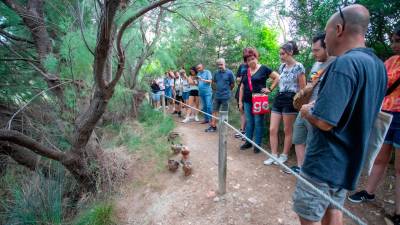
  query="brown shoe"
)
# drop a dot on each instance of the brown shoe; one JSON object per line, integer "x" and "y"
{"x": 204, "y": 122}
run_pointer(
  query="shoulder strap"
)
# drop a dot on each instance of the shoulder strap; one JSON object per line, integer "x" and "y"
{"x": 393, "y": 87}
{"x": 249, "y": 79}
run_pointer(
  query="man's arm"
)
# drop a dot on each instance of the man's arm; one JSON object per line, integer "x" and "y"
{"x": 209, "y": 80}
{"x": 306, "y": 114}
{"x": 232, "y": 80}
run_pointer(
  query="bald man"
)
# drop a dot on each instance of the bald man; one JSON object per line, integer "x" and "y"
{"x": 349, "y": 99}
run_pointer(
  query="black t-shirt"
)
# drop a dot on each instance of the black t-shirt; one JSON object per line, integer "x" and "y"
{"x": 242, "y": 71}
{"x": 258, "y": 80}
{"x": 154, "y": 87}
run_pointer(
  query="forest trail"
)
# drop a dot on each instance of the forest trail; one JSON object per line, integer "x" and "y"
{"x": 256, "y": 194}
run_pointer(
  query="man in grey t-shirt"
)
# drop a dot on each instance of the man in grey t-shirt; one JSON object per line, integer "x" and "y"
{"x": 301, "y": 126}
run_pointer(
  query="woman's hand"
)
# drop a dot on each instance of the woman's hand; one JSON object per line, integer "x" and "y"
{"x": 265, "y": 90}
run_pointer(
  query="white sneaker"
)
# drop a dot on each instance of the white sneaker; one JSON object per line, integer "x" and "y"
{"x": 282, "y": 159}
{"x": 269, "y": 161}
{"x": 187, "y": 119}
{"x": 196, "y": 119}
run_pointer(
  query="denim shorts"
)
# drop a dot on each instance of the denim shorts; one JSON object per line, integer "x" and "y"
{"x": 283, "y": 103}
{"x": 310, "y": 205}
{"x": 393, "y": 134}
{"x": 185, "y": 95}
{"x": 168, "y": 92}
{"x": 156, "y": 96}
{"x": 219, "y": 104}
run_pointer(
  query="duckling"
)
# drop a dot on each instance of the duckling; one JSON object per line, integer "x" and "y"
{"x": 185, "y": 153}
{"x": 187, "y": 168}
{"x": 173, "y": 165}
{"x": 172, "y": 136}
{"x": 176, "y": 148}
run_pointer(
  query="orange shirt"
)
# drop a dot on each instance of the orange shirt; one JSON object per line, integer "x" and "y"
{"x": 392, "y": 101}
{"x": 314, "y": 77}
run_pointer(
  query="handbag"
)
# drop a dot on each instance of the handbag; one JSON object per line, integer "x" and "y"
{"x": 304, "y": 95}
{"x": 260, "y": 103}
{"x": 378, "y": 133}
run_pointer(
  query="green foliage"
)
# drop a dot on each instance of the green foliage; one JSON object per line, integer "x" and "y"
{"x": 34, "y": 200}
{"x": 51, "y": 63}
{"x": 155, "y": 120}
{"x": 121, "y": 101}
{"x": 151, "y": 132}
{"x": 78, "y": 59}
{"x": 98, "y": 214}
{"x": 309, "y": 18}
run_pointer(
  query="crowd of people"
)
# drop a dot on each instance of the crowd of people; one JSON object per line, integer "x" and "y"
{"x": 330, "y": 132}
{"x": 181, "y": 91}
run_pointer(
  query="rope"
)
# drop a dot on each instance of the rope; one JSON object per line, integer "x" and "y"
{"x": 326, "y": 197}
{"x": 217, "y": 118}
{"x": 300, "y": 178}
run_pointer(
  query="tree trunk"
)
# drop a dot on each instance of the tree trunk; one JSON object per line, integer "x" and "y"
{"x": 78, "y": 160}
{"x": 3, "y": 164}
{"x": 34, "y": 19}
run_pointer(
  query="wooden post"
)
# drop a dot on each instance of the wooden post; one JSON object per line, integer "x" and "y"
{"x": 163, "y": 103}
{"x": 222, "y": 154}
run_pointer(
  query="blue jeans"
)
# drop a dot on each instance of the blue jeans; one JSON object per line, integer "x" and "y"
{"x": 206, "y": 100}
{"x": 254, "y": 124}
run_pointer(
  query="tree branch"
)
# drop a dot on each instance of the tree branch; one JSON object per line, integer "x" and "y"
{"x": 125, "y": 25}
{"x": 79, "y": 14}
{"x": 15, "y": 6}
{"x": 44, "y": 74}
{"x": 19, "y": 59}
{"x": 143, "y": 33}
{"x": 20, "y": 139}
{"x": 186, "y": 19}
{"x": 104, "y": 41}
{"x": 16, "y": 38}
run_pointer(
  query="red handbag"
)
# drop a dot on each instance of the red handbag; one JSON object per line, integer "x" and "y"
{"x": 260, "y": 103}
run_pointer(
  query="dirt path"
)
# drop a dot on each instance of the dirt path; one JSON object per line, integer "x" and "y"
{"x": 256, "y": 194}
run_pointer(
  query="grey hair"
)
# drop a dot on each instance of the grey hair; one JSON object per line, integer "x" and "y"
{"x": 221, "y": 60}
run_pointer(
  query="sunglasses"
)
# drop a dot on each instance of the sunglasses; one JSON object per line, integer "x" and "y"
{"x": 342, "y": 17}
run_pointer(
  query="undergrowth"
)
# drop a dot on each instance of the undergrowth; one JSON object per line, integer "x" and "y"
{"x": 148, "y": 135}
{"x": 98, "y": 214}
{"x": 32, "y": 198}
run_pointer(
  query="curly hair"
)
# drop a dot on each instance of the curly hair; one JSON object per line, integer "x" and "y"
{"x": 250, "y": 52}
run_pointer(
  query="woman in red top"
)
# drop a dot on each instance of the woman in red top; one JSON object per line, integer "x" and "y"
{"x": 391, "y": 104}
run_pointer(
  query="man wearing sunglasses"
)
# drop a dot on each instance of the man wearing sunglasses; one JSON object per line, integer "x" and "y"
{"x": 348, "y": 101}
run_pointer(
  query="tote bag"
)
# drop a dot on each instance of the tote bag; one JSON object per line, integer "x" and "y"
{"x": 260, "y": 103}
{"x": 378, "y": 133}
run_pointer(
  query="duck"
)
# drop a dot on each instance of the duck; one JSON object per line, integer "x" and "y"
{"x": 187, "y": 168}
{"x": 173, "y": 165}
